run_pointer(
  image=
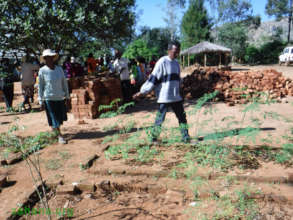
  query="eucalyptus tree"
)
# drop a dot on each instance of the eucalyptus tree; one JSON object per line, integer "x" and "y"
{"x": 281, "y": 9}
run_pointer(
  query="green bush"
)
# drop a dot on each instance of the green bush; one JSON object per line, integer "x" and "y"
{"x": 268, "y": 53}
{"x": 252, "y": 55}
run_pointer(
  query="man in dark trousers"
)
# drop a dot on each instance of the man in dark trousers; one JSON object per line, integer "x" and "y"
{"x": 121, "y": 68}
{"x": 7, "y": 78}
{"x": 165, "y": 78}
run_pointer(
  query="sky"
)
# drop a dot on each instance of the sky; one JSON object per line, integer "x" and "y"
{"x": 151, "y": 12}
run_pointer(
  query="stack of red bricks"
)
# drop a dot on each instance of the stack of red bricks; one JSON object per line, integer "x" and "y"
{"x": 86, "y": 100}
{"x": 237, "y": 87}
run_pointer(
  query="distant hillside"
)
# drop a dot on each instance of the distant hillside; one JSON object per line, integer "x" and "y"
{"x": 266, "y": 29}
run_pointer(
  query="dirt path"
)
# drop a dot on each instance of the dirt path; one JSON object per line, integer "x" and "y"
{"x": 161, "y": 182}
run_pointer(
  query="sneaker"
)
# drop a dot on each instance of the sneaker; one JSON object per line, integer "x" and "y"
{"x": 193, "y": 142}
{"x": 186, "y": 140}
{"x": 190, "y": 141}
{"x": 61, "y": 140}
{"x": 155, "y": 141}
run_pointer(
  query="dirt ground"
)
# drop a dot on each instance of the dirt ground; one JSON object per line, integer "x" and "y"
{"x": 160, "y": 182}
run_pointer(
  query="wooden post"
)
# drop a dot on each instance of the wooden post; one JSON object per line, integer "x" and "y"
{"x": 188, "y": 59}
{"x": 205, "y": 60}
{"x": 220, "y": 61}
{"x": 183, "y": 62}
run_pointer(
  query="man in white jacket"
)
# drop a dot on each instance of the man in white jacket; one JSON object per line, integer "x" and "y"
{"x": 121, "y": 68}
{"x": 165, "y": 79}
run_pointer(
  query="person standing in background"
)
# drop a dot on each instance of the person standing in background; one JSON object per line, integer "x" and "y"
{"x": 121, "y": 68}
{"x": 91, "y": 64}
{"x": 66, "y": 67}
{"x": 27, "y": 81}
{"x": 7, "y": 78}
{"x": 53, "y": 90}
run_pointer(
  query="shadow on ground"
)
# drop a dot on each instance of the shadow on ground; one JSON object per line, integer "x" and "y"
{"x": 233, "y": 132}
{"x": 97, "y": 134}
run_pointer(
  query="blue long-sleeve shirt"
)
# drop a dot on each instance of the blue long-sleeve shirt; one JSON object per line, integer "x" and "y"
{"x": 52, "y": 84}
{"x": 165, "y": 78}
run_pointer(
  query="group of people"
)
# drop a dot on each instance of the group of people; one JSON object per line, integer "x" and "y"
{"x": 26, "y": 72}
{"x": 164, "y": 78}
{"x": 133, "y": 73}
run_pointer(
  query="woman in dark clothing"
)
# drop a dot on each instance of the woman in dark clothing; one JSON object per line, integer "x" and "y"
{"x": 7, "y": 78}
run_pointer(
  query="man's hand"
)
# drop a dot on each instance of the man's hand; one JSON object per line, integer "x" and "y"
{"x": 137, "y": 95}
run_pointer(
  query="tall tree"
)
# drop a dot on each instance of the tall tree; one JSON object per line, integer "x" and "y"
{"x": 180, "y": 3}
{"x": 156, "y": 38}
{"x": 139, "y": 48}
{"x": 196, "y": 24}
{"x": 226, "y": 10}
{"x": 171, "y": 19}
{"x": 233, "y": 10}
{"x": 64, "y": 24}
{"x": 280, "y": 9}
{"x": 234, "y": 36}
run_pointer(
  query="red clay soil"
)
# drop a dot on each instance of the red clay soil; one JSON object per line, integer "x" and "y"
{"x": 129, "y": 189}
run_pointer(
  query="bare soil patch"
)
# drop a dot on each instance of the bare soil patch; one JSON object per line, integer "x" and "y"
{"x": 234, "y": 171}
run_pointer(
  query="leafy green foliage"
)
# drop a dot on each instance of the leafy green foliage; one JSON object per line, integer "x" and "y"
{"x": 14, "y": 143}
{"x": 64, "y": 25}
{"x": 113, "y": 104}
{"x": 271, "y": 51}
{"x": 236, "y": 206}
{"x": 157, "y": 39}
{"x": 252, "y": 55}
{"x": 286, "y": 154}
{"x": 278, "y": 8}
{"x": 139, "y": 48}
{"x": 267, "y": 53}
{"x": 145, "y": 154}
{"x": 234, "y": 10}
{"x": 234, "y": 36}
{"x": 128, "y": 127}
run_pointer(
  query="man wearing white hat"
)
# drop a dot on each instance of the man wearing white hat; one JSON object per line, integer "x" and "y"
{"x": 53, "y": 90}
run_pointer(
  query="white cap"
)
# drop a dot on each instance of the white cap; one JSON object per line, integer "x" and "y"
{"x": 49, "y": 53}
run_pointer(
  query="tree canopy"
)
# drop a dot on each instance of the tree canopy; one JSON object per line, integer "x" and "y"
{"x": 234, "y": 10}
{"x": 281, "y": 9}
{"x": 196, "y": 24}
{"x": 139, "y": 48}
{"x": 156, "y": 37}
{"x": 64, "y": 24}
{"x": 234, "y": 36}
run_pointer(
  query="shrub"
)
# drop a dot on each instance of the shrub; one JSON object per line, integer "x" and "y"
{"x": 252, "y": 55}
